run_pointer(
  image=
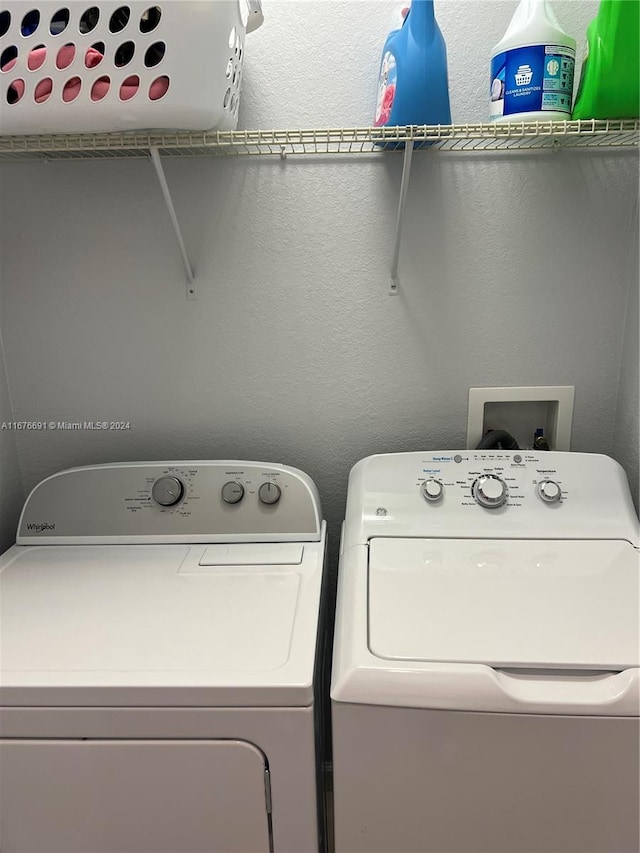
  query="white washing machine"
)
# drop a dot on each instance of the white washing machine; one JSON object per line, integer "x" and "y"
{"x": 485, "y": 683}
{"x": 159, "y": 648}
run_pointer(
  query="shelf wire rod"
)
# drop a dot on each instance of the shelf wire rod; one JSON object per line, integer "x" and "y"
{"x": 404, "y": 185}
{"x": 157, "y": 163}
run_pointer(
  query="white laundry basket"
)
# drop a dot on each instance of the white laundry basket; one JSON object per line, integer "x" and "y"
{"x": 89, "y": 65}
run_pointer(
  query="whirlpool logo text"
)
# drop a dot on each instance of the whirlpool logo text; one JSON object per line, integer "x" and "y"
{"x": 40, "y": 528}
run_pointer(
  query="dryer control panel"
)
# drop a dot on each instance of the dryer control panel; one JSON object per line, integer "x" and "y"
{"x": 147, "y": 502}
{"x": 490, "y": 493}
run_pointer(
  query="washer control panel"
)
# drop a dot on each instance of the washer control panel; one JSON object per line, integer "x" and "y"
{"x": 227, "y": 501}
{"x": 489, "y": 494}
{"x": 491, "y": 480}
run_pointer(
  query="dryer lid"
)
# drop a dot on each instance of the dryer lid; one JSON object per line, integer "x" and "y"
{"x": 525, "y": 604}
{"x": 159, "y": 625}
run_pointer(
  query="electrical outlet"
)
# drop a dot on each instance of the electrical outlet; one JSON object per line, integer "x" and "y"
{"x": 521, "y": 411}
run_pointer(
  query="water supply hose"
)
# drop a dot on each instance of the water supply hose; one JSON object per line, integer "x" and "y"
{"x": 498, "y": 439}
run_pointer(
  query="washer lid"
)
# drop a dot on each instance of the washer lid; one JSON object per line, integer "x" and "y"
{"x": 534, "y": 604}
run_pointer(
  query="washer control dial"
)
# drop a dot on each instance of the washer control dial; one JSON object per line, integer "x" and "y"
{"x": 432, "y": 490}
{"x": 269, "y": 493}
{"x": 490, "y": 491}
{"x": 232, "y": 492}
{"x": 167, "y": 491}
{"x": 549, "y": 491}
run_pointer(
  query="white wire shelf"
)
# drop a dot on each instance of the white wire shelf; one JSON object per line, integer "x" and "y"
{"x": 375, "y": 142}
{"x": 506, "y": 136}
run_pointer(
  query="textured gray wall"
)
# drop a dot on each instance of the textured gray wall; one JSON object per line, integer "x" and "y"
{"x": 10, "y": 481}
{"x": 514, "y": 271}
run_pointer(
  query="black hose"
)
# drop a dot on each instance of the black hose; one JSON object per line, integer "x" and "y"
{"x": 498, "y": 439}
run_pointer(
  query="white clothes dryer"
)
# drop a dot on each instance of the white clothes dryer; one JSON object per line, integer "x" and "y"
{"x": 160, "y": 638}
{"x": 486, "y": 668}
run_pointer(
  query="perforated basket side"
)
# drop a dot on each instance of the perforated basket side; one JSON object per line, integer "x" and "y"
{"x": 113, "y": 66}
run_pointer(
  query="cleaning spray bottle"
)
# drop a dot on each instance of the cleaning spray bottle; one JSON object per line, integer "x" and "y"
{"x": 610, "y": 79}
{"x": 413, "y": 86}
{"x": 532, "y": 67}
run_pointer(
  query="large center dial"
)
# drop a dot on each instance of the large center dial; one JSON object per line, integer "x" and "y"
{"x": 490, "y": 491}
{"x": 167, "y": 491}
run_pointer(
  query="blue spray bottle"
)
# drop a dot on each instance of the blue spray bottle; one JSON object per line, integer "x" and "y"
{"x": 413, "y": 86}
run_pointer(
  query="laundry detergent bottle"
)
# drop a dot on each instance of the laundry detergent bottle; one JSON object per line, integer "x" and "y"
{"x": 532, "y": 67}
{"x": 610, "y": 79}
{"x": 413, "y": 87}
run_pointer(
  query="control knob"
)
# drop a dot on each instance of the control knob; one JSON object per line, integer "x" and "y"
{"x": 232, "y": 492}
{"x": 167, "y": 491}
{"x": 432, "y": 490}
{"x": 490, "y": 491}
{"x": 269, "y": 493}
{"x": 549, "y": 491}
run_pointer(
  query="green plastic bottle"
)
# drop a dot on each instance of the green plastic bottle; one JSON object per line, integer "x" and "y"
{"x": 610, "y": 79}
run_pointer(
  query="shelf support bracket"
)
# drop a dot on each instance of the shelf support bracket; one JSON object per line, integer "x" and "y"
{"x": 404, "y": 185}
{"x": 157, "y": 164}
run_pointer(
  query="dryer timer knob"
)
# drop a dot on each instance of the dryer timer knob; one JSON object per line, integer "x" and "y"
{"x": 490, "y": 491}
{"x": 167, "y": 491}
